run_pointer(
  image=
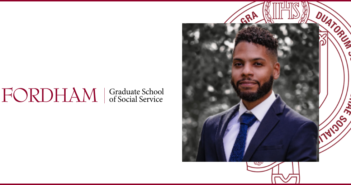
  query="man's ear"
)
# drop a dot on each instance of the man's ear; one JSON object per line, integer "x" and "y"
{"x": 276, "y": 70}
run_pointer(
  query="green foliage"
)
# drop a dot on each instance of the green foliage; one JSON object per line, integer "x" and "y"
{"x": 207, "y": 53}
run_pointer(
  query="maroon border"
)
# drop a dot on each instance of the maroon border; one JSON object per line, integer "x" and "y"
{"x": 156, "y": 1}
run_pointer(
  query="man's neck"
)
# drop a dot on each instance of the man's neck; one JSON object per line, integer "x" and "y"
{"x": 253, "y": 104}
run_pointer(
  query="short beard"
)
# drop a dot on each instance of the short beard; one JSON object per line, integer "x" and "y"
{"x": 261, "y": 91}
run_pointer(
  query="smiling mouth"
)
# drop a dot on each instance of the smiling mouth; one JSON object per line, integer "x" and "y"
{"x": 247, "y": 83}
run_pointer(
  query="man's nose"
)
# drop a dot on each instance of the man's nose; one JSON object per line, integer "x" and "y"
{"x": 247, "y": 70}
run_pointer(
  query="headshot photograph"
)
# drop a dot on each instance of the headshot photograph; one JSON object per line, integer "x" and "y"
{"x": 250, "y": 92}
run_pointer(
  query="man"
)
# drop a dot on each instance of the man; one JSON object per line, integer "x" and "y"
{"x": 261, "y": 127}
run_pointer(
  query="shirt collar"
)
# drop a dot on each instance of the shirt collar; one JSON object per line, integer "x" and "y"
{"x": 260, "y": 110}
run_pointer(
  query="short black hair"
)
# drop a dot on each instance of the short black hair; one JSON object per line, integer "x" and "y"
{"x": 259, "y": 36}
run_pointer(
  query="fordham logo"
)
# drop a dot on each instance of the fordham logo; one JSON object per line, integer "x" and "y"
{"x": 44, "y": 95}
{"x": 285, "y": 11}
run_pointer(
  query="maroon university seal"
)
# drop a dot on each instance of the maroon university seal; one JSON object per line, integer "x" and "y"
{"x": 335, "y": 44}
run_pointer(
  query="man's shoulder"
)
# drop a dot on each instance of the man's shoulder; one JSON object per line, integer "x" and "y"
{"x": 286, "y": 113}
{"x": 294, "y": 119}
{"x": 215, "y": 119}
{"x": 293, "y": 115}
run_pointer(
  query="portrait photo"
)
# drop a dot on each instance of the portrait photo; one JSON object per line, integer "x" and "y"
{"x": 250, "y": 92}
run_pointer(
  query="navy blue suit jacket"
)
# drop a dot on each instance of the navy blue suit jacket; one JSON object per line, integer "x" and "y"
{"x": 283, "y": 135}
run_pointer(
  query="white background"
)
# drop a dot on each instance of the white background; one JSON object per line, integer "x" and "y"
{"x": 117, "y": 45}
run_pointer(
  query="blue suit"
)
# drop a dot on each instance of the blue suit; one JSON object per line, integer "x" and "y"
{"x": 283, "y": 135}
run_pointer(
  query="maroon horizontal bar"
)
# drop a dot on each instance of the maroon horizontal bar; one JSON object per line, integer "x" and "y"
{"x": 162, "y": 184}
{"x": 152, "y": 0}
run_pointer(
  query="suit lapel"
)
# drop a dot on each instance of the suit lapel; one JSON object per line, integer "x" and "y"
{"x": 220, "y": 132}
{"x": 268, "y": 123}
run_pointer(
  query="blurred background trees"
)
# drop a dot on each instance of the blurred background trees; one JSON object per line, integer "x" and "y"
{"x": 207, "y": 53}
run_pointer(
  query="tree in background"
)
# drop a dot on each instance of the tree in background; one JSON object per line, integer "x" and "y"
{"x": 207, "y": 61}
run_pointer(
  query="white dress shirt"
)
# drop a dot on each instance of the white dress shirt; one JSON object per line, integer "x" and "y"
{"x": 234, "y": 125}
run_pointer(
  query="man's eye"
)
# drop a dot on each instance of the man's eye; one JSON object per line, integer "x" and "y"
{"x": 257, "y": 64}
{"x": 238, "y": 64}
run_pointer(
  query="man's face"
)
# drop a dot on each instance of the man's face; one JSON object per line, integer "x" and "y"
{"x": 253, "y": 71}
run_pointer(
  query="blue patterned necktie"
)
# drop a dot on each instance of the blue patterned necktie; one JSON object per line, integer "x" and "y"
{"x": 246, "y": 121}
